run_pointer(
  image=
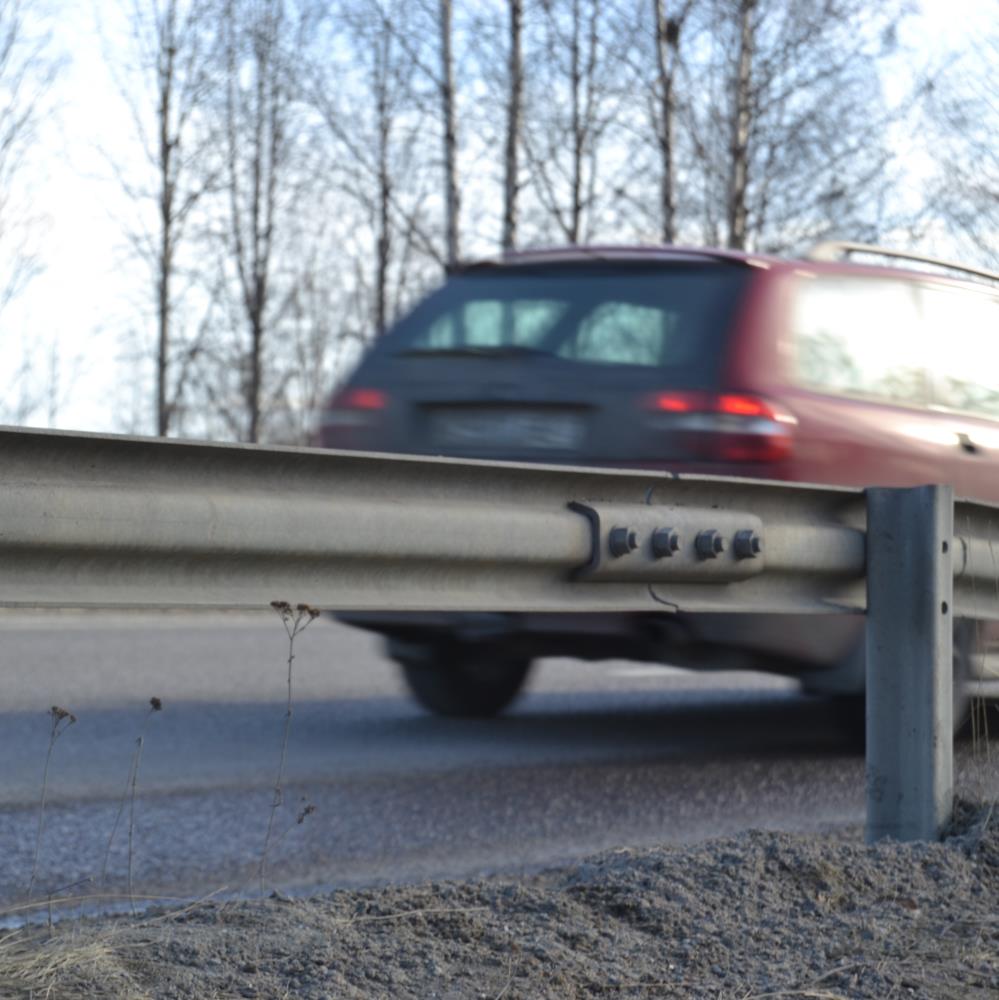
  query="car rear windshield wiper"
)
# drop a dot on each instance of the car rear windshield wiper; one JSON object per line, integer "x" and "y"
{"x": 473, "y": 351}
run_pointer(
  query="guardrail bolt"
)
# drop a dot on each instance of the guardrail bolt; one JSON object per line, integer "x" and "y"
{"x": 621, "y": 541}
{"x": 747, "y": 544}
{"x": 709, "y": 544}
{"x": 665, "y": 541}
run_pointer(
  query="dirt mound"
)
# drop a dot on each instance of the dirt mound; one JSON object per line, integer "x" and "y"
{"x": 759, "y": 915}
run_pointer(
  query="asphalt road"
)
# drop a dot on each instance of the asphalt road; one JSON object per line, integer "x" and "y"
{"x": 594, "y": 756}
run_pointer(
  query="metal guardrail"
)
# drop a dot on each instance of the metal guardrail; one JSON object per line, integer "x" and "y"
{"x": 97, "y": 520}
{"x": 89, "y": 520}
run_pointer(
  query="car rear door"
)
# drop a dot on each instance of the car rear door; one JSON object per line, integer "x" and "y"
{"x": 858, "y": 358}
{"x": 963, "y": 326}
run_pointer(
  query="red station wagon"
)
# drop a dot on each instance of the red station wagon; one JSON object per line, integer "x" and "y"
{"x": 817, "y": 370}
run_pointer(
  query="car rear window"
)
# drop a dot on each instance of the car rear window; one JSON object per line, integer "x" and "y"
{"x": 663, "y": 316}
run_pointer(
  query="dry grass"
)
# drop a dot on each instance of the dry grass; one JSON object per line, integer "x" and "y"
{"x": 802, "y": 994}
{"x": 63, "y": 967}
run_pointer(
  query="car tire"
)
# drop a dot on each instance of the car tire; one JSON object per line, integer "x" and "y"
{"x": 464, "y": 681}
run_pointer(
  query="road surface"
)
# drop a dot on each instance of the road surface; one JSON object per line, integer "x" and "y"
{"x": 594, "y": 756}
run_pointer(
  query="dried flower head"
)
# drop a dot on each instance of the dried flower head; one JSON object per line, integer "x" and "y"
{"x": 58, "y": 714}
{"x": 156, "y": 705}
{"x": 281, "y": 606}
{"x": 308, "y": 609}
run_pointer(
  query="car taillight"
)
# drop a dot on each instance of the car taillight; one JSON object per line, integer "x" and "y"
{"x": 353, "y": 411}
{"x": 360, "y": 399}
{"x": 723, "y": 427}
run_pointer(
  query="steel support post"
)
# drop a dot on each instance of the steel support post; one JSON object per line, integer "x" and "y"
{"x": 910, "y": 740}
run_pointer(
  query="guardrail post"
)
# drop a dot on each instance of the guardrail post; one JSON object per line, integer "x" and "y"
{"x": 910, "y": 740}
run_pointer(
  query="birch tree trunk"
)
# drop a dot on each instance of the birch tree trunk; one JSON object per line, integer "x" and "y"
{"x": 256, "y": 150}
{"x": 167, "y": 145}
{"x": 738, "y": 215}
{"x": 452, "y": 205}
{"x": 667, "y": 31}
{"x": 384, "y": 236}
{"x": 511, "y": 183}
{"x": 577, "y": 128}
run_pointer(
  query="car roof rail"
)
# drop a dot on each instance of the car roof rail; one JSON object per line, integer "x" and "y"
{"x": 839, "y": 249}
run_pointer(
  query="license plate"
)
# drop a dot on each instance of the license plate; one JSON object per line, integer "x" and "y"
{"x": 538, "y": 430}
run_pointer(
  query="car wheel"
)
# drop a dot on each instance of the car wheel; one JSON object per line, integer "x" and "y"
{"x": 851, "y": 708}
{"x": 965, "y": 649}
{"x": 464, "y": 681}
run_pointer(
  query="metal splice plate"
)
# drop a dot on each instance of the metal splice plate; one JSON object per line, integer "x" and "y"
{"x": 635, "y": 543}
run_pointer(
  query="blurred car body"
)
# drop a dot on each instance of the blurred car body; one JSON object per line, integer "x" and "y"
{"x": 821, "y": 370}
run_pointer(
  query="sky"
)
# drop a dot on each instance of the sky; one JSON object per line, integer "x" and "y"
{"x": 73, "y": 320}
{"x": 70, "y": 312}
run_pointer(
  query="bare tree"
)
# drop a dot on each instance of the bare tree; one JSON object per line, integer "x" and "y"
{"x": 741, "y": 118}
{"x": 381, "y": 83}
{"x": 574, "y": 97}
{"x": 581, "y": 44}
{"x": 383, "y": 242}
{"x": 962, "y": 111}
{"x": 27, "y": 72}
{"x": 668, "y": 29}
{"x": 514, "y": 115}
{"x": 311, "y": 335}
{"x": 377, "y": 160}
{"x": 494, "y": 62}
{"x": 275, "y": 235}
{"x": 452, "y": 202}
{"x": 167, "y": 83}
{"x": 434, "y": 20}
{"x": 258, "y": 39}
{"x": 787, "y": 120}
{"x": 443, "y": 81}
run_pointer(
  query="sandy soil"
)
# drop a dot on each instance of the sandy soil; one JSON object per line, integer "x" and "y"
{"x": 759, "y": 915}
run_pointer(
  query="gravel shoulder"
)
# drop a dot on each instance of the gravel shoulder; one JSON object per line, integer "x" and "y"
{"x": 753, "y": 916}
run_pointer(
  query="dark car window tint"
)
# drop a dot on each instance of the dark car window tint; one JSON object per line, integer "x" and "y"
{"x": 636, "y": 314}
{"x": 964, "y": 327}
{"x": 860, "y": 337}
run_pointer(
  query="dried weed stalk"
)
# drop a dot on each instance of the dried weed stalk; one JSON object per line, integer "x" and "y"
{"x": 129, "y": 794}
{"x": 60, "y": 720}
{"x": 295, "y": 620}
{"x": 305, "y": 810}
{"x": 54, "y": 896}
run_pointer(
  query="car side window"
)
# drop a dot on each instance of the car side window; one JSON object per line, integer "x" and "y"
{"x": 492, "y": 323}
{"x": 625, "y": 333}
{"x": 964, "y": 326}
{"x": 860, "y": 337}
